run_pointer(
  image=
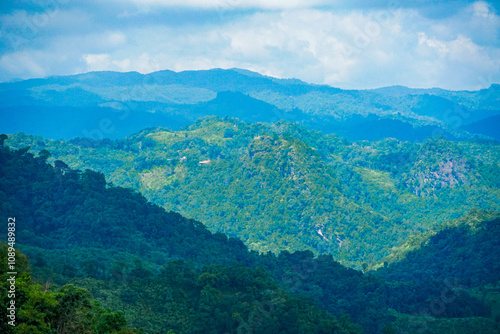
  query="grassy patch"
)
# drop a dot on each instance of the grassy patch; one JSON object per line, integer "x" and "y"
{"x": 214, "y": 133}
{"x": 377, "y": 178}
{"x": 157, "y": 178}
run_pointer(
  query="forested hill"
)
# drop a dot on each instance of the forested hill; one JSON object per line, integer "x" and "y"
{"x": 461, "y": 255}
{"x": 47, "y": 309}
{"x": 465, "y": 249}
{"x": 129, "y": 102}
{"x": 283, "y": 187}
{"x": 137, "y": 258}
{"x": 167, "y": 273}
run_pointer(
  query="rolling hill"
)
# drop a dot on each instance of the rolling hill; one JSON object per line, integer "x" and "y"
{"x": 168, "y": 273}
{"x": 283, "y": 187}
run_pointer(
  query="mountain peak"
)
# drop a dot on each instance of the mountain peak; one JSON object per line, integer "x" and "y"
{"x": 248, "y": 73}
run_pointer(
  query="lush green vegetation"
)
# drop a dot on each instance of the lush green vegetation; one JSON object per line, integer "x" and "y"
{"x": 129, "y": 252}
{"x": 249, "y": 227}
{"x": 282, "y": 187}
{"x": 168, "y": 273}
{"x": 457, "y": 257}
{"x": 47, "y": 310}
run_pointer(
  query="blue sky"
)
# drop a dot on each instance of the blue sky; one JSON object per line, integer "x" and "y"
{"x": 347, "y": 44}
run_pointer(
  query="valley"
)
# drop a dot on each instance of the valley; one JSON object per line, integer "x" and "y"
{"x": 224, "y": 200}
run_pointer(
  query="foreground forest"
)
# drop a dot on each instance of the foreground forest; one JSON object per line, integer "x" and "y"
{"x": 284, "y": 187}
{"x": 164, "y": 273}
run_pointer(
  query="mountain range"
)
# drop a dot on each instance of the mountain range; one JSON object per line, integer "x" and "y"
{"x": 283, "y": 187}
{"x": 225, "y": 201}
{"x": 167, "y": 274}
{"x": 114, "y": 105}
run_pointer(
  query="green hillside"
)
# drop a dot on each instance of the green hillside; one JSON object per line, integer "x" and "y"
{"x": 282, "y": 187}
{"x": 168, "y": 273}
{"x": 47, "y": 309}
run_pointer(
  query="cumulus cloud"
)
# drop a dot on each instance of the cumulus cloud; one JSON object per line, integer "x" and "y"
{"x": 209, "y": 4}
{"x": 361, "y": 45}
{"x": 97, "y": 62}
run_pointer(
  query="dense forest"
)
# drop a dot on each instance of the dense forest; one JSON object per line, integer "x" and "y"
{"x": 250, "y": 167}
{"x": 49, "y": 309}
{"x": 284, "y": 187}
{"x": 106, "y": 257}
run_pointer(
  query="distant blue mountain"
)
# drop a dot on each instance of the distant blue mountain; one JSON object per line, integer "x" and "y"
{"x": 72, "y": 106}
{"x": 489, "y": 127}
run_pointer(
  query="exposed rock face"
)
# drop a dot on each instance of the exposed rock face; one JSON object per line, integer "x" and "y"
{"x": 439, "y": 165}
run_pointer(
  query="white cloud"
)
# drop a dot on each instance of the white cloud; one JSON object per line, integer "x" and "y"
{"x": 234, "y": 4}
{"x": 117, "y": 39}
{"x": 97, "y": 62}
{"x": 145, "y": 64}
{"x": 432, "y": 46}
{"x": 21, "y": 64}
{"x": 482, "y": 9}
{"x": 460, "y": 62}
{"x": 105, "y": 62}
{"x": 348, "y": 49}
